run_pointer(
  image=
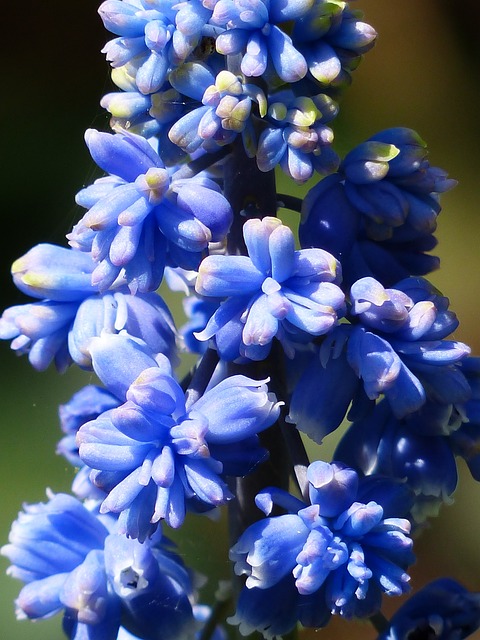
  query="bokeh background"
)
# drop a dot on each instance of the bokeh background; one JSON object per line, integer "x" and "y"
{"x": 423, "y": 74}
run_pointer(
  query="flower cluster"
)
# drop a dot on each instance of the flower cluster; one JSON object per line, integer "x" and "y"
{"x": 170, "y": 58}
{"x": 154, "y": 457}
{"x": 274, "y": 292}
{"x": 72, "y": 311}
{"x": 337, "y": 552}
{"x": 213, "y": 96}
{"x": 379, "y": 212}
{"x": 74, "y": 560}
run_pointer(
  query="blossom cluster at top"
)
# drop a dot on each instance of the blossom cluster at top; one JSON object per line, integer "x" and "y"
{"x": 293, "y": 336}
{"x": 285, "y": 62}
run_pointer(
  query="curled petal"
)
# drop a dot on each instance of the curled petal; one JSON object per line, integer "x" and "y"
{"x": 237, "y": 408}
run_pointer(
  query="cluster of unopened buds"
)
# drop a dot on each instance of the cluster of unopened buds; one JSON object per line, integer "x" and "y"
{"x": 293, "y": 339}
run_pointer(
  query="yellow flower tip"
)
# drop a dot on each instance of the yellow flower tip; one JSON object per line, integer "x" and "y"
{"x": 36, "y": 280}
{"x": 227, "y": 82}
{"x": 278, "y": 111}
{"x": 18, "y": 266}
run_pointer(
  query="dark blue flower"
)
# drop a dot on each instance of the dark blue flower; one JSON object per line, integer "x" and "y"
{"x": 465, "y": 439}
{"x": 157, "y": 454}
{"x": 332, "y": 38}
{"x": 140, "y": 213}
{"x": 443, "y": 610}
{"x": 378, "y": 214}
{"x": 337, "y": 554}
{"x": 74, "y": 561}
{"x": 71, "y": 311}
{"x": 381, "y": 444}
{"x": 274, "y": 292}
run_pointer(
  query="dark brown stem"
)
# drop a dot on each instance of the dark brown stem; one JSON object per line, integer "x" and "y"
{"x": 290, "y": 202}
{"x": 379, "y": 622}
{"x": 250, "y": 192}
{"x": 198, "y": 381}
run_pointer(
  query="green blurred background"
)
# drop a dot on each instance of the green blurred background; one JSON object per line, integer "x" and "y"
{"x": 423, "y": 74}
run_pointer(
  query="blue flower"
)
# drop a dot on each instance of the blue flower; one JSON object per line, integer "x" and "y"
{"x": 71, "y": 311}
{"x": 147, "y": 116}
{"x": 332, "y": 38}
{"x": 337, "y": 554}
{"x": 378, "y": 214}
{"x": 465, "y": 439}
{"x": 74, "y": 561}
{"x": 394, "y": 348}
{"x": 398, "y": 348}
{"x": 275, "y": 292}
{"x": 381, "y": 444}
{"x": 157, "y": 455}
{"x": 296, "y": 137}
{"x": 149, "y": 43}
{"x": 251, "y": 29}
{"x": 443, "y": 609}
{"x": 85, "y": 405}
{"x": 225, "y": 109}
{"x": 198, "y": 311}
{"x": 139, "y": 213}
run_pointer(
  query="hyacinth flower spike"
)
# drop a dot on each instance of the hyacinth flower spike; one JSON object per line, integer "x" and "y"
{"x": 295, "y": 329}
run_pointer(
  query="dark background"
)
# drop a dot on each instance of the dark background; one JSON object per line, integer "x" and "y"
{"x": 423, "y": 74}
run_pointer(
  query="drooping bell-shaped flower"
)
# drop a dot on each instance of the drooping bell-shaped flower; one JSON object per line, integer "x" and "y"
{"x": 155, "y": 456}
{"x": 333, "y": 556}
{"x": 443, "y": 610}
{"x": 378, "y": 213}
{"x": 395, "y": 347}
{"x": 275, "y": 291}
{"x": 332, "y": 37}
{"x": 140, "y": 216}
{"x": 73, "y": 561}
{"x": 71, "y": 311}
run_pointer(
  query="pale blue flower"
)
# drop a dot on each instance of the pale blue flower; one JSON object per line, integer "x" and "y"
{"x": 336, "y": 555}
{"x": 332, "y": 38}
{"x": 252, "y": 30}
{"x": 225, "y": 110}
{"x": 156, "y": 455}
{"x": 71, "y": 311}
{"x": 297, "y": 138}
{"x": 140, "y": 215}
{"x": 275, "y": 291}
{"x": 148, "y": 42}
{"x": 73, "y": 561}
{"x": 394, "y": 347}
